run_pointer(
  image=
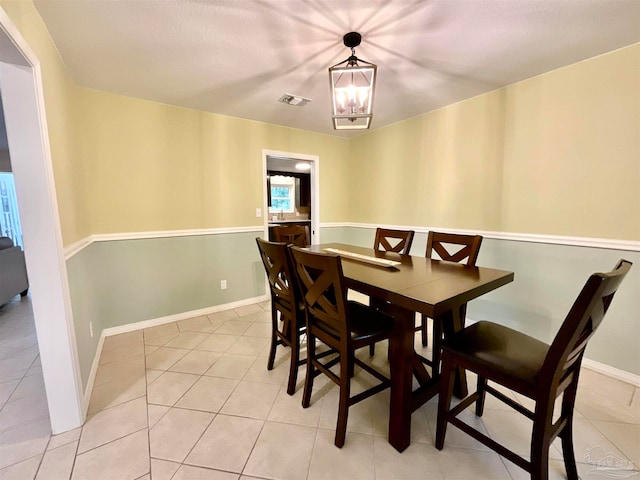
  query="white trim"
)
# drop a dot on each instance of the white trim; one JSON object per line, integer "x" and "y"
{"x": 92, "y": 374}
{"x": 612, "y": 372}
{"x": 27, "y": 132}
{"x": 611, "y": 244}
{"x": 71, "y": 250}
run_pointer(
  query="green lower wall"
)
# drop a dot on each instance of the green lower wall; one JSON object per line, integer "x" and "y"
{"x": 114, "y": 283}
{"x": 120, "y": 282}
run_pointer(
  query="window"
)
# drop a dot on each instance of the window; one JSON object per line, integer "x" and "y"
{"x": 282, "y": 194}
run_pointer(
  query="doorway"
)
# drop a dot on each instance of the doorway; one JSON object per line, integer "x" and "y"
{"x": 24, "y": 111}
{"x": 295, "y": 197}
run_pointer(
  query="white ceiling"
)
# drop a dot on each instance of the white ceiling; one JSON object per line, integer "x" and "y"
{"x": 237, "y": 57}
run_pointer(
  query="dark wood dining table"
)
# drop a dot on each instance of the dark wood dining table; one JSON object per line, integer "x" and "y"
{"x": 436, "y": 288}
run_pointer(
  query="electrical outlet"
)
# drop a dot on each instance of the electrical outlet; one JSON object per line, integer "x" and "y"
{"x": 223, "y": 284}
{"x": 91, "y": 329}
{"x": 258, "y": 212}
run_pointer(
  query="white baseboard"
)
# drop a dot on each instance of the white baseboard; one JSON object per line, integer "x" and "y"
{"x": 92, "y": 375}
{"x": 612, "y": 372}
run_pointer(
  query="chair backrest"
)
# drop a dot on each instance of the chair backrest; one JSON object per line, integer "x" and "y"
{"x": 321, "y": 281}
{"x": 297, "y": 235}
{"x": 277, "y": 263}
{"x": 586, "y": 314}
{"x": 453, "y": 247}
{"x": 398, "y": 241}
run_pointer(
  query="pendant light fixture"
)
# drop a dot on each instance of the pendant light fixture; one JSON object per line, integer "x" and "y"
{"x": 352, "y": 85}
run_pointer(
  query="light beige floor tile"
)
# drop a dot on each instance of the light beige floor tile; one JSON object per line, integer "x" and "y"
{"x": 64, "y": 438}
{"x": 153, "y": 375}
{"x": 288, "y": 409}
{"x": 249, "y": 346}
{"x": 158, "y": 341}
{"x": 120, "y": 368}
{"x": 118, "y": 353}
{"x": 163, "y": 469}
{"x": 129, "y": 338}
{"x": 161, "y": 331}
{"x": 259, "y": 373}
{"x": 149, "y": 349}
{"x": 624, "y": 436}
{"x": 454, "y": 436}
{"x": 599, "y": 405}
{"x": 117, "y": 392}
{"x": 196, "y": 362}
{"x": 24, "y": 470}
{"x": 217, "y": 343}
{"x": 224, "y": 315}
{"x": 264, "y": 317}
{"x": 586, "y": 438}
{"x": 187, "y": 472}
{"x": 113, "y": 423}
{"x": 125, "y": 459}
{"x": 232, "y": 438}
{"x": 169, "y": 387}
{"x": 359, "y": 419}
{"x": 29, "y": 386}
{"x": 354, "y": 461}
{"x": 187, "y": 340}
{"x": 248, "y": 310}
{"x": 269, "y": 459}
{"x": 58, "y": 463}
{"x": 177, "y": 432}
{"x": 208, "y": 394}
{"x": 164, "y": 358}
{"x": 508, "y": 428}
{"x": 234, "y": 327}
{"x": 259, "y": 329}
{"x": 231, "y": 366}
{"x": 417, "y": 462}
{"x": 250, "y": 399}
{"x": 463, "y": 464}
{"x": 35, "y": 368}
{"x": 196, "y": 324}
{"x": 23, "y": 410}
{"x": 6, "y": 390}
{"x": 617, "y": 390}
{"x": 155, "y": 413}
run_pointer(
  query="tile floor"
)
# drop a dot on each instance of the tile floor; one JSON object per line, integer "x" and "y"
{"x": 194, "y": 400}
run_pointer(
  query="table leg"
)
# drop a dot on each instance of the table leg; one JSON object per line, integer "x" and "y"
{"x": 401, "y": 358}
{"x": 452, "y": 322}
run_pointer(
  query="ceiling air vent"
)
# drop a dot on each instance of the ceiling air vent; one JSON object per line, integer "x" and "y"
{"x": 294, "y": 100}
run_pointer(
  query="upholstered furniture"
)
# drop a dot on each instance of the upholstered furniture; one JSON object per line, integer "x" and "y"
{"x": 13, "y": 271}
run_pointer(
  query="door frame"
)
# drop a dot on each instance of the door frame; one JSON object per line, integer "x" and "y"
{"x": 27, "y": 133}
{"x": 314, "y": 160}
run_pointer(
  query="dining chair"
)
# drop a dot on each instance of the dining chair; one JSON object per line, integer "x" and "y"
{"x": 450, "y": 247}
{"x": 398, "y": 241}
{"x": 342, "y": 325}
{"x": 390, "y": 240}
{"x": 532, "y": 368}
{"x": 297, "y": 235}
{"x": 287, "y": 309}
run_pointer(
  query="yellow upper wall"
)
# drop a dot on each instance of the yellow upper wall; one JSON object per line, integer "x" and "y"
{"x": 60, "y": 95}
{"x": 556, "y": 154}
{"x": 159, "y": 167}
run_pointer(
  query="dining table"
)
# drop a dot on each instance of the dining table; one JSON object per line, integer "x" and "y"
{"x": 407, "y": 284}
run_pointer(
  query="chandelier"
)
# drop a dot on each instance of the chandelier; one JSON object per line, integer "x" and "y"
{"x": 352, "y": 85}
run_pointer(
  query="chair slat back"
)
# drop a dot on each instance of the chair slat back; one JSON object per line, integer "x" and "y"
{"x": 321, "y": 280}
{"x": 297, "y": 235}
{"x": 586, "y": 314}
{"x": 398, "y": 241}
{"x": 453, "y": 247}
{"x": 277, "y": 264}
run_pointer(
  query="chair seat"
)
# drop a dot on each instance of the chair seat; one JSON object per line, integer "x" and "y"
{"x": 367, "y": 323}
{"x": 487, "y": 344}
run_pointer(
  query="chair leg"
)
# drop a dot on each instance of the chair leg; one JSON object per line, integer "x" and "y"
{"x": 274, "y": 338}
{"x": 308, "y": 381}
{"x": 372, "y": 349}
{"x": 346, "y": 367}
{"x": 566, "y": 436}
{"x": 295, "y": 358}
{"x": 436, "y": 348}
{"x": 540, "y": 446}
{"x": 425, "y": 331}
{"x": 482, "y": 393}
{"x": 444, "y": 403}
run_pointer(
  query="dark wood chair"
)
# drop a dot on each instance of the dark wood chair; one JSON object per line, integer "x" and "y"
{"x": 285, "y": 304}
{"x": 398, "y": 241}
{"x": 297, "y": 235}
{"x": 389, "y": 240}
{"x": 344, "y": 326}
{"x": 531, "y": 368}
{"x": 450, "y": 247}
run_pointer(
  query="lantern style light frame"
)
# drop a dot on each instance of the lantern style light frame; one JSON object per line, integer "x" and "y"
{"x": 352, "y": 85}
